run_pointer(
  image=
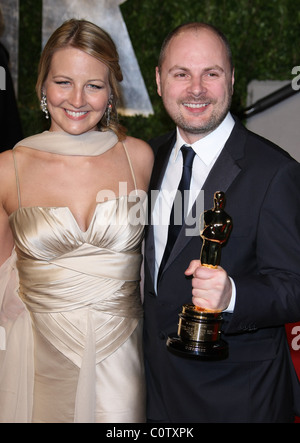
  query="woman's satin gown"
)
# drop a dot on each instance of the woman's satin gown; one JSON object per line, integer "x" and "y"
{"x": 72, "y": 333}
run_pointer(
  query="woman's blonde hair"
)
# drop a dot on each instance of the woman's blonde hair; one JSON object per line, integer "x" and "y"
{"x": 89, "y": 38}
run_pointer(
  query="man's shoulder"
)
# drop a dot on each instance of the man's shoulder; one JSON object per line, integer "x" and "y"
{"x": 160, "y": 140}
{"x": 258, "y": 146}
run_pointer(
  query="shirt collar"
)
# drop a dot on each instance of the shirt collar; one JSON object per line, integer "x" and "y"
{"x": 208, "y": 147}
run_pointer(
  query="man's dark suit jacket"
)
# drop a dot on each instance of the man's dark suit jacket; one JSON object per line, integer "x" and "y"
{"x": 257, "y": 383}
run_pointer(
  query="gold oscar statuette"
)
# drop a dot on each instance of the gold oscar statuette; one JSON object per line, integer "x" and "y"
{"x": 199, "y": 330}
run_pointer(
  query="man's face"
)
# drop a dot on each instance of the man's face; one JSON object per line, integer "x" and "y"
{"x": 196, "y": 82}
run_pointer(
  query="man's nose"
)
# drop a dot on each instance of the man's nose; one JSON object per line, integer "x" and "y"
{"x": 197, "y": 86}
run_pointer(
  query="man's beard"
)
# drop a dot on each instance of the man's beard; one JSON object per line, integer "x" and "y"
{"x": 208, "y": 126}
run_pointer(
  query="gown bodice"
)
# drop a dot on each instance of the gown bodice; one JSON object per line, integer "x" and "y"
{"x": 48, "y": 239}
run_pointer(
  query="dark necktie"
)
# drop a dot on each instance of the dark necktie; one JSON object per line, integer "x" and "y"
{"x": 188, "y": 155}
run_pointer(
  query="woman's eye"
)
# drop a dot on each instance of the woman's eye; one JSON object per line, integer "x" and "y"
{"x": 94, "y": 86}
{"x": 63, "y": 83}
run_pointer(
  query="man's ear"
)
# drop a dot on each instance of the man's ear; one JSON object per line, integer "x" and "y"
{"x": 157, "y": 75}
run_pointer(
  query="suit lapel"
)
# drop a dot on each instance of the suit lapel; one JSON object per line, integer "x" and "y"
{"x": 220, "y": 177}
{"x": 222, "y": 174}
{"x": 161, "y": 161}
{"x": 160, "y": 165}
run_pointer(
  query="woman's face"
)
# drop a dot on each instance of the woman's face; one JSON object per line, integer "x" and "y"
{"x": 77, "y": 90}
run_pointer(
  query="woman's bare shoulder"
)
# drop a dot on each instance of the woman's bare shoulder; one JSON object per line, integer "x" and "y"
{"x": 142, "y": 158}
{"x": 139, "y": 148}
{"x": 7, "y": 176}
{"x": 6, "y": 155}
{"x": 6, "y": 164}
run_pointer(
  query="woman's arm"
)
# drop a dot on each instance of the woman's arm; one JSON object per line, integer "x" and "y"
{"x": 6, "y": 192}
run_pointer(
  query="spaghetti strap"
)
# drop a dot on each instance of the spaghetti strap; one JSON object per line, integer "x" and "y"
{"x": 131, "y": 168}
{"x": 17, "y": 178}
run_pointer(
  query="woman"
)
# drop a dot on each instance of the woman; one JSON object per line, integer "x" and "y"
{"x": 66, "y": 199}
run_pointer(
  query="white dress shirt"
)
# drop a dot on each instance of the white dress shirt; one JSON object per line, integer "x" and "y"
{"x": 207, "y": 151}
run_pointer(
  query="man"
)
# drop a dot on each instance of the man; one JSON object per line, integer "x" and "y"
{"x": 257, "y": 285}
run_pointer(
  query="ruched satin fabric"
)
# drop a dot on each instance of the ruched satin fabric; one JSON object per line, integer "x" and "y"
{"x": 82, "y": 292}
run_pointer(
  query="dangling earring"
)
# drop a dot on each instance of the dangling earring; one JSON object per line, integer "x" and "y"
{"x": 44, "y": 105}
{"x": 108, "y": 110}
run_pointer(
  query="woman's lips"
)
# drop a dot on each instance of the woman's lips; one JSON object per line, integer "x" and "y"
{"x": 77, "y": 115}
